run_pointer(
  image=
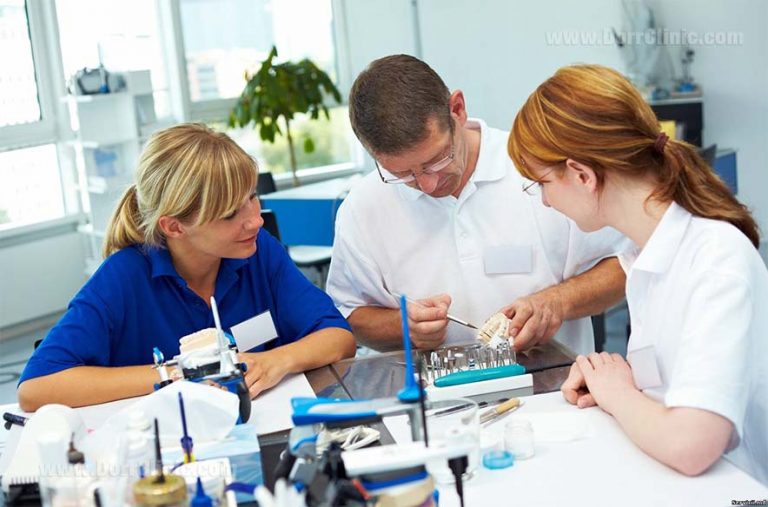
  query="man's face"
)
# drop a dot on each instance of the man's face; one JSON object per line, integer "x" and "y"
{"x": 434, "y": 166}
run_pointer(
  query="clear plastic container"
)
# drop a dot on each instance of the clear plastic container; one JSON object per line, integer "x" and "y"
{"x": 519, "y": 439}
{"x": 453, "y": 422}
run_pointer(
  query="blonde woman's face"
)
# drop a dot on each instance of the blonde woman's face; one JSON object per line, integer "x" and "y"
{"x": 231, "y": 237}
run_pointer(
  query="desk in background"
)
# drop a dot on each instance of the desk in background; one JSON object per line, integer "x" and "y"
{"x": 306, "y": 215}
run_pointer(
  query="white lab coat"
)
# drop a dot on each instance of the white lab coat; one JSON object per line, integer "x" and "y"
{"x": 392, "y": 239}
{"x": 698, "y": 294}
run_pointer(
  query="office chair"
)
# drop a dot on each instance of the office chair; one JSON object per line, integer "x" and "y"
{"x": 315, "y": 257}
{"x": 304, "y": 256}
{"x": 265, "y": 184}
{"x": 270, "y": 223}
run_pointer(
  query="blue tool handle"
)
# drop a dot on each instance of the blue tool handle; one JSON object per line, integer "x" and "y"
{"x": 467, "y": 377}
{"x": 311, "y": 410}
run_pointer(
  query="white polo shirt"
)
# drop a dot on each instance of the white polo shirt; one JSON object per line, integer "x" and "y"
{"x": 489, "y": 246}
{"x": 698, "y": 294}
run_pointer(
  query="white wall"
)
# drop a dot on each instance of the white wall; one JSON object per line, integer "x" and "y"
{"x": 370, "y": 29}
{"x": 39, "y": 277}
{"x": 496, "y": 51}
{"x": 735, "y": 84}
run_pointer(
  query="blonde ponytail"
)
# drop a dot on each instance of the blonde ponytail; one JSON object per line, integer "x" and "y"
{"x": 123, "y": 229}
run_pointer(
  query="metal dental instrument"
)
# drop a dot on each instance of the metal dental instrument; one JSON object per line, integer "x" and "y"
{"x": 459, "y": 321}
{"x": 448, "y": 316}
{"x": 434, "y": 360}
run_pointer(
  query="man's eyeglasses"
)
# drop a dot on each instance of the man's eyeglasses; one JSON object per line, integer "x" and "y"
{"x": 387, "y": 176}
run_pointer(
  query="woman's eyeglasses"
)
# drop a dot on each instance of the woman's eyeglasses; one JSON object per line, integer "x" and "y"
{"x": 534, "y": 187}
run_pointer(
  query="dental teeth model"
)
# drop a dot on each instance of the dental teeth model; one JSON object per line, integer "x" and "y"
{"x": 494, "y": 331}
{"x": 198, "y": 340}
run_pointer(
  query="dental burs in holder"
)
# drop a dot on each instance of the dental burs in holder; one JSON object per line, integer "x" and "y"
{"x": 475, "y": 370}
{"x": 507, "y": 352}
{"x": 435, "y": 367}
{"x": 455, "y": 359}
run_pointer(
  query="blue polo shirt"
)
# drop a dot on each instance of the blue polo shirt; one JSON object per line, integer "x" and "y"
{"x": 136, "y": 301}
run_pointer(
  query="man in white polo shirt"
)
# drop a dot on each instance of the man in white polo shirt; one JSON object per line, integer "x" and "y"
{"x": 445, "y": 221}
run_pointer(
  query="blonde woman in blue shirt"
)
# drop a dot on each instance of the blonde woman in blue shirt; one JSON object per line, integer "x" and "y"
{"x": 189, "y": 229}
{"x": 696, "y": 384}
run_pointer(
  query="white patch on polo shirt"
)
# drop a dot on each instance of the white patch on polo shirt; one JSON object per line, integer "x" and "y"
{"x": 508, "y": 259}
{"x": 254, "y": 331}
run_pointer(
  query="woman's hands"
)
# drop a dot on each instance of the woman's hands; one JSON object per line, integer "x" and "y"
{"x": 265, "y": 369}
{"x": 599, "y": 379}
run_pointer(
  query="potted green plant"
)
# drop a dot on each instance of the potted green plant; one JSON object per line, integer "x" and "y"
{"x": 283, "y": 90}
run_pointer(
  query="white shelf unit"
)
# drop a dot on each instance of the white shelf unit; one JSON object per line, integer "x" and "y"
{"x": 110, "y": 130}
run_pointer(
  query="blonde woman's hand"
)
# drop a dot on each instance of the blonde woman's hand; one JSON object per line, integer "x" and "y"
{"x": 264, "y": 369}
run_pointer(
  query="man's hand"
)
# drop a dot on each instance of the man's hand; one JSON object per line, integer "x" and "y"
{"x": 608, "y": 378}
{"x": 535, "y": 318}
{"x": 264, "y": 369}
{"x": 575, "y": 390}
{"x": 428, "y": 321}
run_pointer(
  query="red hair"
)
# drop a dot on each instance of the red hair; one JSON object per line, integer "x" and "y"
{"x": 594, "y": 115}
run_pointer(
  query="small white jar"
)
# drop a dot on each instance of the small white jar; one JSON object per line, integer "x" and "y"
{"x": 518, "y": 438}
